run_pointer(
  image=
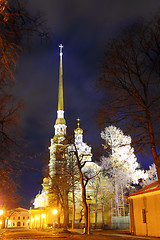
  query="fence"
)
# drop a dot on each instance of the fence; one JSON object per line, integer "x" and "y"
{"x": 120, "y": 222}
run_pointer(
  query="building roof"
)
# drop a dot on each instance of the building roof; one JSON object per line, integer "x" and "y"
{"x": 19, "y": 209}
{"x": 155, "y": 186}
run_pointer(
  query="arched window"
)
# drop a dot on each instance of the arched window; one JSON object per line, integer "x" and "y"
{"x": 18, "y": 224}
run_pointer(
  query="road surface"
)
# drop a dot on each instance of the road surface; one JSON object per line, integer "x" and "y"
{"x": 32, "y": 234}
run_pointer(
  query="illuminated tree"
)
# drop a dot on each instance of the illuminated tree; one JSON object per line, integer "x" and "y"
{"x": 152, "y": 176}
{"x": 102, "y": 191}
{"x": 121, "y": 166}
{"x": 130, "y": 85}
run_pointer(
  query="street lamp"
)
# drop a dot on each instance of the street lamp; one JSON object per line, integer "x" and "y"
{"x": 1, "y": 213}
{"x": 32, "y": 222}
{"x": 54, "y": 211}
{"x": 88, "y": 203}
{"x": 43, "y": 216}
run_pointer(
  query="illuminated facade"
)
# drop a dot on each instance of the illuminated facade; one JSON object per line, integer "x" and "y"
{"x": 43, "y": 203}
{"x": 18, "y": 217}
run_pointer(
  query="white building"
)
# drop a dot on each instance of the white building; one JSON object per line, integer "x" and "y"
{"x": 18, "y": 217}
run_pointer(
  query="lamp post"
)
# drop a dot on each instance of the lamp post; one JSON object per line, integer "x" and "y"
{"x": 36, "y": 218}
{"x": 88, "y": 203}
{"x": 43, "y": 216}
{"x": 54, "y": 211}
{"x": 1, "y": 213}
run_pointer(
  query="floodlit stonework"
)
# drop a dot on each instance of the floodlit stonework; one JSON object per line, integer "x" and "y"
{"x": 44, "y": 203}
{"x": 18, "y": 217}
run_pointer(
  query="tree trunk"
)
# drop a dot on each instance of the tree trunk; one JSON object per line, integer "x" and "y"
{"x": 66, "y": 212}
{"x": 73, "y": 211}
{"x": 96, "y": 214}
{"x": 84, "y": 204}
{"x": 123, "y": 200}
{"x": 97, "y": 188}
{"x": 116, "y": 197}
{"x": 58, "y": 214}
{"x": 103, "y": 214}
{"x": 153, "y": 145}
{"x": 85, "y": 207}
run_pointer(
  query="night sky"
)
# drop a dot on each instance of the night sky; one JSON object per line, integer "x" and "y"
{"x": 83, "y": 27}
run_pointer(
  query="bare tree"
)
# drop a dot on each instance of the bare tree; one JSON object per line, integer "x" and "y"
{"x": 85, "y": 175}
{"x": 17, "y": 26}
{"x": 130, "y": 84}
{"x": 64, "y": 180}
{"x": 71, "y": 163}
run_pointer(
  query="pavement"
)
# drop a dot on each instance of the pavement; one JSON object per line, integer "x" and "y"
{"x": 76, "y": 234}
{"x": 99, "y": 234}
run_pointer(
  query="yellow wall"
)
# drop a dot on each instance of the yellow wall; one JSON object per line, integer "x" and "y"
{"x": 140, "y": 227}
{"x": 151, "y": 203}
{"x": 153, "y": 215}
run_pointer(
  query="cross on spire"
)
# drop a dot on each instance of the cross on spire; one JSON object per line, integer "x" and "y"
{"x": 61, "y": 46}
{"x": 78, "y": 120}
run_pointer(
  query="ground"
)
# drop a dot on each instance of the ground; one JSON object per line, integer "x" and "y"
{"x": 31, "y": 234}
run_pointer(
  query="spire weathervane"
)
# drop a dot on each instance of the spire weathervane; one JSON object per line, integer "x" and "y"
{"x": 61, "y": 46}
{"x": 78, "y": 120}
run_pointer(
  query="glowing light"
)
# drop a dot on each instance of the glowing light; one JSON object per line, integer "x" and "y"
{"x": 1, "y": 212}
{"x": 36, "y": 218}
{"x": 43, "y": 215}
{"x": 54, "y": 211}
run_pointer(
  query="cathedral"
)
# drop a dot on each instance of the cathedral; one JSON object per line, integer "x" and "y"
{"x": 46, "y": 210}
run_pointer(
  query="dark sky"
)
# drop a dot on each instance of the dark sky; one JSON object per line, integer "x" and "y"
{"x": 83, "y": 27}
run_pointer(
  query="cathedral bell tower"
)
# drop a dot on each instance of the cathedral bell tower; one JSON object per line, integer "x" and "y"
{"x": 60, "y": 126}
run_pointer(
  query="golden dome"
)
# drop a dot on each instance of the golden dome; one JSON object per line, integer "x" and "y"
{"x": 56, "y": 138}
{"x": 45, "y": 180}
{"x": 78, "y": 130}
{"x": 60, "y": 121}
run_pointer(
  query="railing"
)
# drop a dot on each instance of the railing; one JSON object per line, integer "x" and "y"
{"x": 120, "y": 222}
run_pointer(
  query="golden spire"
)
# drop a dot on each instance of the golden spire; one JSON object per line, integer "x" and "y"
{"x": 60, "y": 93}
{"x": 60, "y": 121}
{"x": 78, "y": 130}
